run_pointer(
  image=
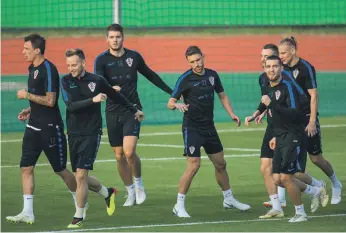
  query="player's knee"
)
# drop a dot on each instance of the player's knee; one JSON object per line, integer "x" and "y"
{"x": 285, "y": 179}
{"x": 277, "y": 180}
{"x": 27, "y": 170}
{"x": 129, "y": 153}
{"x": 316, "y": 159}
{"x": 119, "y": 156}
{"x": 264, "y": 169}
{"x": 298, "y": 175}
{"x": 193, "y": 167}
{"x": 81, "y": 176}
{"x": 220, "y": 166}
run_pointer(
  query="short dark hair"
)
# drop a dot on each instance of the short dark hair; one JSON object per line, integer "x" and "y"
{"x": 116, "y": 28}
{"x": 73, "y": 52}
{"x": 37, "y": 41}
{"x": 272, "y": 47}
{"x": 291, "y": 41}
{"x": 193, "y": 50}
{"x": 273, "y": 58}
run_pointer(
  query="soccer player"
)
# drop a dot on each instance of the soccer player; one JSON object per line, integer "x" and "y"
{"x": 305, "y": 75}
{"x": 197, "y": 86}
{"x": 83, "y": 93}
{"x": 45, "y": 129}
{"x": 284, "y": 106}
{"x": 267, "y": 152}
{"x": 276, "y": 201}
{"x": 119, "y": 66}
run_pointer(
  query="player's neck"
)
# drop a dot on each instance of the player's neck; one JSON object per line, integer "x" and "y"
{"x": 81, "y": 75}
{"x": 275, "y": 83}
{"x": 38, "y": 61}
{"x": 201, "y": 73}
{"x": 117, "y": 53}
{"x": 294, "y": 61}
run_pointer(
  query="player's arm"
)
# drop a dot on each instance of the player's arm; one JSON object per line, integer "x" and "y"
{"x": 177, "y": 93}
{"x": 261, "y": 109}
{"x": 99, "y": 66}
{"x": 290, "y": 107}
{"x": 313, "y": 104}
{"x": 51, "y": 88}
{"x": 24, "y": 114}
{"x": 118, "y": 98}
{"x": 311, "y": 85}
{"x": 152, "y": 76}
{"x": 72, "y": 105}
{"x": 225, "y": 101}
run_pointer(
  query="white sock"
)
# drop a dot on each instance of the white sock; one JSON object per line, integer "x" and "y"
{"x": 79, "y": 212}
{"x": 227, "y": 194}
{"x": 74, "y": 198}
{"x": 130, "y": 189}
{"x": 300, "y": 209}
{"x": 282, "y": 193}
{"x": 103, "y": 192}
{"x": 315, "y": 182}
{"x": 138, "y": 182}
{"x": 311, "y": 190}
{"x": 181, "y": 200}
{"x": 335, "y": 181}
{"x": 28, "y": 205}
{"x": 275, "y": 202}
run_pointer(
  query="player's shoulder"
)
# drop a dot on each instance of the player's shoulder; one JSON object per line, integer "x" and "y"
{"x": 132, "y": 53}
{"x": 305, "y": 64}
{"x": 185, "y": 74}
{"x": 263, "y": 79}
{"x": 101, "y": 56}
{"x": 287, "y": 85}
{"x": 49, "y": 65}
{"x": 66, "y": 79}
{"x": 211, "y": 72}
{"x": 262, "y": 76}
{"x": 94, "y": 77}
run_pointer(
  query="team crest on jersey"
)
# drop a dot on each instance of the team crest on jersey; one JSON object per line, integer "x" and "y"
{"x": 192, "y": 149}
{"x": 92, "y": 86}
{"x": 295, "y": 73}
{"x": 211, "y": 80}
{"x": 129, "y": 61}
{"x": 35, "y": 74}
{"x": 277, "y": 94}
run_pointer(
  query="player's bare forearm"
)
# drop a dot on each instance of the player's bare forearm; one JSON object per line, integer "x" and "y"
{"x": 171, "y": 103}
{"x": 313, "y": 104}
{"x": 225, "y": 101}
{"x": 47, "y": 100}
{"x": 256, "y": 114}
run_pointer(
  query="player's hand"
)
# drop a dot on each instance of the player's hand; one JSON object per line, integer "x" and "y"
{"x": 24, "y": 115}
{"x": 236, "y": 119}
{"x": 265, "y": 100}
{"x": 311, "y": 129}
{"x": 272, "y": 143}
{"x": 248, "y": 120}
{"x": 258, "y": 119}
{"x": 22, "y": 94}
{"x": 139, "y": 115}
{"x": 117, "y": 88}
{"x": 182, "y": 107}
{"x": 99, "y": 98}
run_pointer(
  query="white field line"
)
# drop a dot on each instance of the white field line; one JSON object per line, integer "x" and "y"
{"x": 193, "y": 223}
{"x": 179, "y": 133}
{"x": 145, "y": 159}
